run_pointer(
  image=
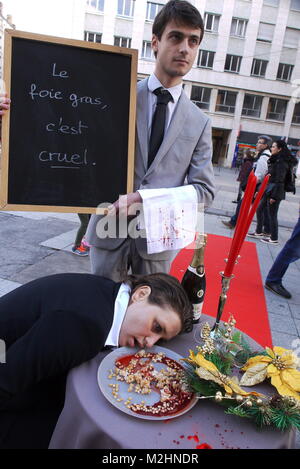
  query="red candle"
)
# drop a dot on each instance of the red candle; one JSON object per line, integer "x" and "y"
{"x": 239, "y": 235}
{"x": 254, "y": 207}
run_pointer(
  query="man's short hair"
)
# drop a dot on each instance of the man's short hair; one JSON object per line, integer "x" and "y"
{"x": 267, "y": 140}
{"x": 180, "y": 11}
{"x": 166, "y": 290}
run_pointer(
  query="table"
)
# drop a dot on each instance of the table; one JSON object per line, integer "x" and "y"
{"x": 89, "y": 421}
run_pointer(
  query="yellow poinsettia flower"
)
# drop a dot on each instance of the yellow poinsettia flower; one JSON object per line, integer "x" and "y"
{"x": 279, "y": 365}
{"x": 208, "y": 371}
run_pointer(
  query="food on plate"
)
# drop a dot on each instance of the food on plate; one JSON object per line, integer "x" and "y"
{"x": 147, "y": 372}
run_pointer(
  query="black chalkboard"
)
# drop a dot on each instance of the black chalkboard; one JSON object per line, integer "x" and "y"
{"x": 71, "y": 123}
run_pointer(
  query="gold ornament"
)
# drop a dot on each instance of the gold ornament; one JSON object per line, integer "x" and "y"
{"x": 239, "y": 398}
{"x": 248, "y": 403}
{"x": 218, "y": 398}
{"x": 259, "y": 402}
{"x": 280, "y": 365}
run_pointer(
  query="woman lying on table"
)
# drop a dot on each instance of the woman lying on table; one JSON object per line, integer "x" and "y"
{"x": 55, "y": 323}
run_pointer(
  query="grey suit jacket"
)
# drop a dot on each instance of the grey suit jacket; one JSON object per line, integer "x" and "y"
{"x": 185, "y": 155}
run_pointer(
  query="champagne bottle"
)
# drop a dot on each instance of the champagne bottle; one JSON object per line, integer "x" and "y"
{"x": 194, "y": 279}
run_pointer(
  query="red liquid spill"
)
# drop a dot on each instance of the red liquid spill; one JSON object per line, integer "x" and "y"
{"x": 203, "y": 446}
{"x": 193, "y": 437}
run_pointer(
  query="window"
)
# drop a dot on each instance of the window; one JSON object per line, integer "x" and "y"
{"x": 273, "y": 3}
{"x": 226, "y": 101}
{"x": 152, "y": 10}
{"x": 92, "y": 37}
{"x": 291, "y": 37}
{"x": 147, "y": 51}
{"x": 252, "y": 105}
{"x": 296, "y": 115}
{"x": 122, "y": 41}
{"x": 201, "y": 96}
{"x": 238, "y": 27}
{"x": 211, "y": 22}
{"x": 97, "y": 4}
{"x": 126, "y": 7}
{"x": 284, "y": 72}
{"x": 259, "y": 67}
{"x": 206, "y": 58}
{"x": 232, "y": 63}
{"x": 265, "y": 32}
{"x": 277, "y": 109}
{"x": 295, "y": 5}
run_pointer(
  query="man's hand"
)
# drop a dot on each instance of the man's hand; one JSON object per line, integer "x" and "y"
{"x": 4, "y": 103}
{"x": 124, "y": 202}
{"x": 272, "y": 201}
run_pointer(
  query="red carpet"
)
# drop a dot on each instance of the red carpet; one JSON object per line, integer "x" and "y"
{"x": 246, "y": 298}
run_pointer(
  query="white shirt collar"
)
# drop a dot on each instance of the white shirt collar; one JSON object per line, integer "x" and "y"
{"x": 121, "y": 304}
{"x": 154, "y": 83}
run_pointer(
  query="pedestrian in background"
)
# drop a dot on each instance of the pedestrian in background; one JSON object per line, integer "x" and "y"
{"x": 289, "y": 253}
{"x": 245, "y": 169}
{"x": 278, "y": 167}
{"x": 80, "y": 247}
{"x": 260, "y": 167}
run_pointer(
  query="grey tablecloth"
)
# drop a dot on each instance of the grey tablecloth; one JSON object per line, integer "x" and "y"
{"x": 89, "y": 421}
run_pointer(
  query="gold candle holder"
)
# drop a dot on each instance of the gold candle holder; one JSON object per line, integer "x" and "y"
{"x": 223, "y": 297}
{"x": 222, "y": 301}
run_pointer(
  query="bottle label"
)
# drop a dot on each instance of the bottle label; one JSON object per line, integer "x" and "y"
{"x": 197, "y": 310}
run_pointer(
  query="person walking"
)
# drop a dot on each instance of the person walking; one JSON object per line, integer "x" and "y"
{"x": 289, "y": 253}
{"x": 278, "y": 166}
{"x": 260, "y": 167}
{"x": 80, "y": 248}
{"x": 245, "y": 169}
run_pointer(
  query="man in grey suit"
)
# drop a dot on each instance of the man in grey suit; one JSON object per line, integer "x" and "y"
{"x": 184, "y": 154}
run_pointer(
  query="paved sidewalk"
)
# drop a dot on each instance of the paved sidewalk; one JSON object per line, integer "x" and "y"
{"x": 36, "y": 244}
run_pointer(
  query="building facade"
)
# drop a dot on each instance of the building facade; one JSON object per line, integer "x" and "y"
{"x": 5, "y": 22}
{"x": 247, "y": 74}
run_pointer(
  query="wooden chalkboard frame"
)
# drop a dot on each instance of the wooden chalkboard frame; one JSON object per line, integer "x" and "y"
{"x": 4, "y": 168}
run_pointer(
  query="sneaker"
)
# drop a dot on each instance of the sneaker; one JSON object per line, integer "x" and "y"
{"x": 228, "y": 224}
{"x": 279, "y": 289}
{"x": 255, "y": 235}
{"x": 269, "y": 241}
{"x": 81, "y": 250}
{"x": 266, "y": 235}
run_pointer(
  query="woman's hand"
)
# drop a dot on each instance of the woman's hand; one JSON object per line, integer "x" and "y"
{"x": 4, "y": 103}
{"x": 272, "y": 201}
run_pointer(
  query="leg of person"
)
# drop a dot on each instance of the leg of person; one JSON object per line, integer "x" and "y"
{"x": 289, "y": 253}
{"x": 78, "y": 248}
{"x": 232, "y": 222}
{"x": 145, "y": 266}
{"x": 259, "y": 219}
{"x": 110, "y": 264}
{"x": 266, "y": 222}
{"x": 273, "y": 217}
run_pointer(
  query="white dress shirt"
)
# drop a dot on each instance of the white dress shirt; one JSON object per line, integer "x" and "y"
{"x": 120, "y": 308}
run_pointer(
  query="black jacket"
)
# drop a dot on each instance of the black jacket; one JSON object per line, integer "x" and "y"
{"x": 49, "y": 326}
{"x": 278, "y": 166}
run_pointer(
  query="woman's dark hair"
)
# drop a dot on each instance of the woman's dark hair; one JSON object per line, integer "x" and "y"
{"x": 165, "y": 291}
{"x": 180, "y": 11}
{"x": 284, "y": 150}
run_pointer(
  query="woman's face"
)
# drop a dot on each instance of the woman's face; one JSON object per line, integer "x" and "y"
{"x": 274, "y": 149}
{"x": 144, "y": 323}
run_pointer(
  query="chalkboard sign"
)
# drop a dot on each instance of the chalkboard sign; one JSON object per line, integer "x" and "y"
{"x": 68, "y": 140}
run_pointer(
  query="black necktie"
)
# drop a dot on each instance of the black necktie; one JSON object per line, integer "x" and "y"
{"x": 158, "y": 122}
